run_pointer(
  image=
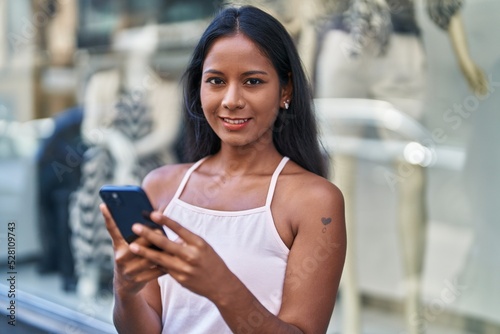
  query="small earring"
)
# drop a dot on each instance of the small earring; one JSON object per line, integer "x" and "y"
{"x": 287, "y": 105}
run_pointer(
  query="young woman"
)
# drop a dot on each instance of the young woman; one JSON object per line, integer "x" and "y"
{"x": 256, "y": 234}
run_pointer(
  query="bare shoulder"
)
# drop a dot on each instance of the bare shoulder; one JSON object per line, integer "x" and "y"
{"x": 161, "y": 183}
{"x": 305, "y": 189}
{"x": 309, "y": 199}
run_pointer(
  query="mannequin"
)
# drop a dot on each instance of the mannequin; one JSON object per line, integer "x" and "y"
{"x": 308, "y": 18}
{"x": 385, "y": 63}
{"x": 130, "y": 123}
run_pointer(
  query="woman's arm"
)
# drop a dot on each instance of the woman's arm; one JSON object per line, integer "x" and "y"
{"x": 316, "y": 258}
{"x": 313, "y": 272}
{"x": 138, "y": 307}
{"x": 137, "y": 298}
{"x": 138, "y": 313}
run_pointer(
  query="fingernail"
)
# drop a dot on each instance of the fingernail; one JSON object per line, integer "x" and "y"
{"x": 134, "y": 248}
{"x": 155, "y": 215}
{"x": 137, "y": 228}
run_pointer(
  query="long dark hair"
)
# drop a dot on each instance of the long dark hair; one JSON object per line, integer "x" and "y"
{"x": 294, "y": 132}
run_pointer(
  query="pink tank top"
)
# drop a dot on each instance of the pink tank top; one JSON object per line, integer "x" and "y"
{"x": 249, "y": 244}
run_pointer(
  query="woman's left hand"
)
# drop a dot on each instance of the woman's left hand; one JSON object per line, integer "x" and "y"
{"x": 191, "y": 261}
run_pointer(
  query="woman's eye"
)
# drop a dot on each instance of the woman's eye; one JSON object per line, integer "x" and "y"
{"x": 253, "y": 81}
{"x": 215, "y": 81}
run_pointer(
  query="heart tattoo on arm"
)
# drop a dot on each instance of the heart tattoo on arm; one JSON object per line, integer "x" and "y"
{"x": 325, "y": 221}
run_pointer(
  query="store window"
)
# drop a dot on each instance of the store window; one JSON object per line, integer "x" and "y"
{"x": 52, "y": 51}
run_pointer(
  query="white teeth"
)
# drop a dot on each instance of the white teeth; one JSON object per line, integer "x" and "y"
{"x": 235, "y": 121}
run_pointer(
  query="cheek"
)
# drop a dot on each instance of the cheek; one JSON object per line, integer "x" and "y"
{"x": 271, "y": 105}
{"x": 208, "y": 100}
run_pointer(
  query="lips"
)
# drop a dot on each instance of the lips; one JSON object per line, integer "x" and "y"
{"x": 235, "y": 124}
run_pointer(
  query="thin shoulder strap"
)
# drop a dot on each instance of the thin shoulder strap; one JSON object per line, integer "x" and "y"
{"x": 274, "y": 180}
{"x": 186, "y": 177}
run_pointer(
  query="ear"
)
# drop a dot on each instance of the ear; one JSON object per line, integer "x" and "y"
{"x": 286, "y": 92}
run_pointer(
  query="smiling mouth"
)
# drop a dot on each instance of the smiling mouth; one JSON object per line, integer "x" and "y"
{"x": 236, "y": 121}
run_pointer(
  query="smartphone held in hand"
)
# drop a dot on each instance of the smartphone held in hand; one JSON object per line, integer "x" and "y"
{"x": 128, "y": 205}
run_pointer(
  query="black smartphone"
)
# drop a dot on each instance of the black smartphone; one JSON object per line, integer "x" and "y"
{"x": 128, "y": 205}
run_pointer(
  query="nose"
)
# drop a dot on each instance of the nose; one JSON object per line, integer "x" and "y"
{"x": 232, "y": 98}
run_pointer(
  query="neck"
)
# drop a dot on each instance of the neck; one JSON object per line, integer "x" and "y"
{"x": 244, "y": 161}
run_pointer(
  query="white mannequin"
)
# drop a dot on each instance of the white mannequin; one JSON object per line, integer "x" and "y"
{"x": 103, "y": 92}
{"x": 137, "y": 76}
{"x": 101, "y": 95}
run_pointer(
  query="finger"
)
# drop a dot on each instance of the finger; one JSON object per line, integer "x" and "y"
{"x": 152, "y": 236}
{"x": 151, "y": 274}
{"x": 113, "y": 230}
{"x": 163, "y": 260}
{"x": 138, "y": 266}
{"x": 186, "y": 235}
{"x": 123, "y": 255}
{"x": 144, "y": 276}
{"x": 155, "y": 237}
{"x": 141, "y": 240}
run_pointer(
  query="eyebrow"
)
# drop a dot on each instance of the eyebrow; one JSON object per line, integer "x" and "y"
{"x": 247, "y": 73}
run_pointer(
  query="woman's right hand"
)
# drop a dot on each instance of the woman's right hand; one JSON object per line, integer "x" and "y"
{"x": 132, "y": 272}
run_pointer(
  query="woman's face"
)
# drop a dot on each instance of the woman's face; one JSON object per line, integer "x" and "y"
{"x": 240, "y": 91}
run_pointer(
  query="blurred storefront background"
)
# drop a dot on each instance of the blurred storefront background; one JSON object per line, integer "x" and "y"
{"x": 51, "y": 49}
